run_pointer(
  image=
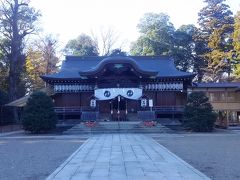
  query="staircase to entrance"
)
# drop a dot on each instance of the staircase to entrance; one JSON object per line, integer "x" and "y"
{"x": 117, "y": 127}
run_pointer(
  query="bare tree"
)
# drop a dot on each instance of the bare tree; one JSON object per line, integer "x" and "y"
{"x": 105, "y": 40}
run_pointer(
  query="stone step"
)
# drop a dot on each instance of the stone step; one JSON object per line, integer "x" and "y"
{"x": 117, "y": 127}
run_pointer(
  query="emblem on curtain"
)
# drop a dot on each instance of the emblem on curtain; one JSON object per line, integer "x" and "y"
{"x": 110, "y": 93}
{"x": 129, "y": 93}
{"x": 107, "y": 94}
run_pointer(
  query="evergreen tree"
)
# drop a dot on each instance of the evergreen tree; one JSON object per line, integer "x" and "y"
{"x": 236, "y": 44}
{"x": 156, "y": 35}
{"x": 84, "y": 45}
{"x": 39, "y": 115}
{"x": 216, "y": 25}
{"x": 198, "y": 113}
{"x": 200, "y": 62}
{"x": 4, "y": 69}
{"x": 118, "y": 52}
{"x": 183, "y": 50}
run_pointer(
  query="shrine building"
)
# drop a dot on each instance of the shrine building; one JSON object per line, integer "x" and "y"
{"x": 119, "y": 87}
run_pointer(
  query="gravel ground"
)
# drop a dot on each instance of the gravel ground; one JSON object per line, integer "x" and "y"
{"x": 33, "y": 158}
{"x": 216, "y": 155}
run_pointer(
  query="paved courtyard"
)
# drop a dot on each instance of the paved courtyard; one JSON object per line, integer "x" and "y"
{"x": 124, "y": 157}
{"x": 214, "y": 154}
{"x": 26, "y": 157}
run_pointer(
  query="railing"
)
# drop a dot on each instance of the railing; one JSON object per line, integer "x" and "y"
{"x": 68, "y": 110}
{"x": 168, "y": 108}
{"x": 75, "y": 109}
{"x": 72, "y": 110}
{"x": 146, "y": 115}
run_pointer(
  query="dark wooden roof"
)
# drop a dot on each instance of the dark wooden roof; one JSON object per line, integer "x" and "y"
{"x": 74, "y": 67}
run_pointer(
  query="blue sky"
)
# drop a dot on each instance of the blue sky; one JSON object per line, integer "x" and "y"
{"x": 69, "y": 18}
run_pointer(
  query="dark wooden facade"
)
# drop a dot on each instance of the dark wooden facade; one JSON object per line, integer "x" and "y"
{"x": 75, "y": 85}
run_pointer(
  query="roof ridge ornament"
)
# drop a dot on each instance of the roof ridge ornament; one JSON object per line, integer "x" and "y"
{"x": 118, "y": 62}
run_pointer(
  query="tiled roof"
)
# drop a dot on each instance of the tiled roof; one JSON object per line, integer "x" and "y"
{"x": 73, "y": 65}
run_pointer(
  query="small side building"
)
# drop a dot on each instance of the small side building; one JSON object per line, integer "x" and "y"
{"x": 225, "y": 99}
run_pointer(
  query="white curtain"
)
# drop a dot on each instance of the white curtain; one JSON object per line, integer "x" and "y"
{"x": 110, "y": 93}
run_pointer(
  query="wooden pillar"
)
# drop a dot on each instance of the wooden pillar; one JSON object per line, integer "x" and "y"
{"x": 227, "y": 123}
{"x": 226, "y": 101}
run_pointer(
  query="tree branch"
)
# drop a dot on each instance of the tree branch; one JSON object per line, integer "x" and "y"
{"x": 3, "y": 48}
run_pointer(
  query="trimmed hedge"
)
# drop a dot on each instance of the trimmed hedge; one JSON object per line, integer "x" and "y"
{"x": 198, "y": 114}
{"x": 39, "y": 115}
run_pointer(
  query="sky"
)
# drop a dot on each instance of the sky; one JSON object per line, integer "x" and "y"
{"x": 69, "y": 18}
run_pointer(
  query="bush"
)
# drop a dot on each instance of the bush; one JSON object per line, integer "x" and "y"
{"x": 198, "y": 113}
{"x": 39, "y": 115}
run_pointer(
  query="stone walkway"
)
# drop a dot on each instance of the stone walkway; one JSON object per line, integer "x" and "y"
{"x": 124, "y": 157}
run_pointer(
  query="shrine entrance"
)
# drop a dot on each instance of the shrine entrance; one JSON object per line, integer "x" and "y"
{"x": 118, "y": 109}
{"x": 113, "y": 102}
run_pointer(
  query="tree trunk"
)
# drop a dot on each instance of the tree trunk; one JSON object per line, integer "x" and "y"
{"x": 13, "y": 85}
{"x": 199, "y": 75}
{"x": 13, "y": 59}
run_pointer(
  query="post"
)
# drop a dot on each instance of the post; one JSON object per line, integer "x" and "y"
{"x": 118, "y": 111}
{"x": 1, "y": 118}
{"x": 150, "y": 103}
{"x": 126, "y": 112}
{"x": 227, "y": 119}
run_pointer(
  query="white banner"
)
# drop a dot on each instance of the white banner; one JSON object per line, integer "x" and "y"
{"x": 110, "y": 93}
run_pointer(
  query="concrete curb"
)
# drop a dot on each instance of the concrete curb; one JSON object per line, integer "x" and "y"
{"x": 52, "y": 175}
{"x": 10, "y": 133}
{"x": 181, "y": 160}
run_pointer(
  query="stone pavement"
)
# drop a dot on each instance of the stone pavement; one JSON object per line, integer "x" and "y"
{"x": 124, "y": 157}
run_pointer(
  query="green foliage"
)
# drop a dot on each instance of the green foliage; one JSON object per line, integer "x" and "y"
{"x": 183, "y": 49}
{"x": 214, "y": 15}
{"x": 39, "y": 115}
{"x": 4, "y": 67}
{"x": 118, "y": 52}
{"x": 82, "y": 46}
{"x": 236, "y": 44}
{"x": 156, "y": 35}
{"x": 216, "y": 25}
{"x": 198, "y": 113}
{"x": 142, "y": 47}
{"x": 236, "y": 33}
